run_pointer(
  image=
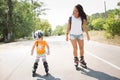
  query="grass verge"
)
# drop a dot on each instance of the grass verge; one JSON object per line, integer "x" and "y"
{"x": 99, "y": 36}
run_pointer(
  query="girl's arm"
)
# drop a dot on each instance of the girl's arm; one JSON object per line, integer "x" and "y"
{"x": 67, "y": 30}
{"x": 32, "y": 49}
{"x": 48, "y": 48}
{"x": 86, "y": 29}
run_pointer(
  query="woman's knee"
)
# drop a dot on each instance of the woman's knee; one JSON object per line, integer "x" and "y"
{"x": 81, "y": 48}
{"x": 75, "y": 48}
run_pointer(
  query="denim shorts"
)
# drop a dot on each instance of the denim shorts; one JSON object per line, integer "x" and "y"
{"x": 73, "y": 36}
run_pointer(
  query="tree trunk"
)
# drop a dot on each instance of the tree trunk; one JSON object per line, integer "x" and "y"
{"x": 9, "y": 21}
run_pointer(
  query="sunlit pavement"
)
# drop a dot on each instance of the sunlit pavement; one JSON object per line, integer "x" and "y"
{"x": 102, "y": 61}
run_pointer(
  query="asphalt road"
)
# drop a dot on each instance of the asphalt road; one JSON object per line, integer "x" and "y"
{"x": 16, "y": 63}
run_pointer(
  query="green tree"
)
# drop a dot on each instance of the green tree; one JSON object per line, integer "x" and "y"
{"x": 113, "y": 26}
{"x": 95, "y": 16}
{"x": 60, "y": 30}
{"x": 113, "y": 23}
{"x": 98, "y": 24}
{"x": 43, "y": 25}
{"x": 18, "y": 18}
{"x": 9, "y": 22}
{"x": 23, "y": 20}
{"x": 3, "y": 19}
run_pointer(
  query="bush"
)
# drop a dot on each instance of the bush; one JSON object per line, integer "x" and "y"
{"x": 108, "y": 35}
{"x": 98, "y": 24}
{"x": 60, "y": 30}
{"x": 113, "y": 26}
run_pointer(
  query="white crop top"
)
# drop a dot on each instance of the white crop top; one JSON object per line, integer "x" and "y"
{"x": 76, "y": 26}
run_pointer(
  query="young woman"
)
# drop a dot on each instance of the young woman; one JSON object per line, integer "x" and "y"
{"x": 75, "y": 24}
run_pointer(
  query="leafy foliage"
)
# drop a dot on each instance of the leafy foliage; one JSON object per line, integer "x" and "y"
{"x": 23, "y": 19}
{"x": 98, "y": 23}
{"x": 60, "y": 30}
{"x": 109, "y": 22}
{"x": 43, "y": 25}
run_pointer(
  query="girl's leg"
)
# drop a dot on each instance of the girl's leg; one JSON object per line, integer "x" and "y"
{"x": 35, "y": 65}
{"x": 45, "y": 64}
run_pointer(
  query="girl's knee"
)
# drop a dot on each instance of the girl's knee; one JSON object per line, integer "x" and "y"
{"x": 37, "y": 60}
{"x": 43, "y": 60}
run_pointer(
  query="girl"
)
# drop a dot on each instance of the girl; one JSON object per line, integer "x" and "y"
{"x": 40, "y": 45}
{"x": 75, "y": 24}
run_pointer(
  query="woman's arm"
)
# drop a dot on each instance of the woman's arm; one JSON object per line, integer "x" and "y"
{"x": 86, "y": 29}
{"x": 67, "y": 30}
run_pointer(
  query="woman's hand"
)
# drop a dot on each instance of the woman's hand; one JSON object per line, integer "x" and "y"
{"x": 67, "y": 38}
{"x": 67, "y": 30}
{"x": 86, "y": 29}
{"x": 88, "y": 37}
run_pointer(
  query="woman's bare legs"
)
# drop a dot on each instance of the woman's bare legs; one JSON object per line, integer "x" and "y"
{"x": 76, "y": 60}
{"x": 81, "y": 47}
{"x": 74, "y": 45}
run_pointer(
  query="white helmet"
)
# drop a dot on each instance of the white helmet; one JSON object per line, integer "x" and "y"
{"x": 38, "y": 34}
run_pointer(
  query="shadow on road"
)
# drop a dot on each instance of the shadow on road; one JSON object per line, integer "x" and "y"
{"x": 98, "y": 75}
{"x": 44, "y": 77}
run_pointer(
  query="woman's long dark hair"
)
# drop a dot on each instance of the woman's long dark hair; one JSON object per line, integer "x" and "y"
{"x": 81, "y": 12}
